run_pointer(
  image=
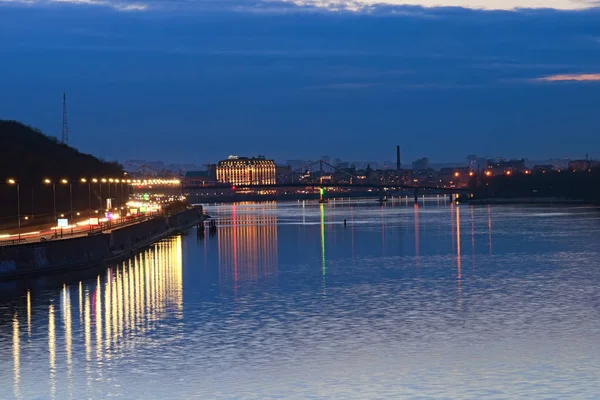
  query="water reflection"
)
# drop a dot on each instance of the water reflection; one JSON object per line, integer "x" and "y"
{"x": 323, "y": 259}
{"x": 122, "y": 333}
{"x": 489, "y": 225}
{"x": 247, "y": 246}
{"x": 417, "y": 236}
{"x": 28, "y": 313}
{"x": 52, "y": 350}
{"x": 101, "y": 321}
{"x": 458, "y": 255}
{"x": 67, "y": 326}
{"x": 16, "y": 356}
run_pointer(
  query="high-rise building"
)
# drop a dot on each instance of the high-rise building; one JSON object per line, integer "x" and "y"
{"x": 246, "y": 171}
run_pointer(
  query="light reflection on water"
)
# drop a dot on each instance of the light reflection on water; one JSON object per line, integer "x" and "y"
{"x": 427, "y": 300}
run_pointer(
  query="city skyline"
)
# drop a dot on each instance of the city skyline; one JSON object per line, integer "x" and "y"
{"x": 194, "y": 81}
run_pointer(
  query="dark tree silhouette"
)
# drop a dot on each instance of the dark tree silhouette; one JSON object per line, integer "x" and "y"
{"x": 29, "y": 157}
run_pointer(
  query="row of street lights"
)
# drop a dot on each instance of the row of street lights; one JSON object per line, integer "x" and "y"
{"x": 89, "y": 181}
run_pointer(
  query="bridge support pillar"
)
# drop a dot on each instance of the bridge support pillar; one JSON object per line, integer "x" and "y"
{"x": 416, "y": 196}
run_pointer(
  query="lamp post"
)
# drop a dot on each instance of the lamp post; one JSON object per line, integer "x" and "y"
{"x": 13, "y": 182}
{"x": 101, "y": 203}
{"x": 128, "y": 186}
{"x": 64, "y": 182}
{"x": 47, "y": 182}
{"x": 96, "y": 181}
{"x": 89, "y": 182}
{"x": 117, "y": 191}
{"x": 109, "y": 182}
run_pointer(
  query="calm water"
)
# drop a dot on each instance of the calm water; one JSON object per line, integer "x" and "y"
{"x": 434, "y": 301}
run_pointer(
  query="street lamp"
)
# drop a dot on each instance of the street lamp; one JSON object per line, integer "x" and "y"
{"x": 13, "y": 182}
{"x": 103, "y": 180}
{"x": 64, "y": 182}
{"x": 117, "y": 191}
{"x": 89, "y": 182}
{"x": 109, "y": 182}
{"x": 47, "y": 182}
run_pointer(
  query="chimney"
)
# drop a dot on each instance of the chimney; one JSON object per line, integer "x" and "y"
{"x": 398, "y": 158}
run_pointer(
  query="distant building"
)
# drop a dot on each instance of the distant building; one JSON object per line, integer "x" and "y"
{"x": 583, "y": 165}
{"x": 421, "y": 163}
{"x": 503, "y": 167}
{"x": 472, "y": 162}
{"x": 455, "y": 177}
{"x": 283, "y": 173}
{"x": 246, "y": 171}
{"x": 543, "y": 168}
{"x": 197, "y": 178}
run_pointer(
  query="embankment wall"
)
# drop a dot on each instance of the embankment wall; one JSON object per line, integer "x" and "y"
{"x": 80, "y": 252}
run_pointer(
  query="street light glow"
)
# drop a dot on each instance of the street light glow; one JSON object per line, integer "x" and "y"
{"x": 83, "y": 180}
{"x": 64, "y": 181}
{"x": 103, "y": 180}
{"x": 12, "y": 181}
{"x": 47, "y": 181}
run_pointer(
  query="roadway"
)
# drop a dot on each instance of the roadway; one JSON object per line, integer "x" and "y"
{"x": 78, "y": 229}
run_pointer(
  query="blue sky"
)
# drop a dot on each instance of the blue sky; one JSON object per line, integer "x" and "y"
{"x": 195, "y": 81}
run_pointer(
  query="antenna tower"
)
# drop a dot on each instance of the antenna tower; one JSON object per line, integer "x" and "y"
{"x": 65, "y": 124}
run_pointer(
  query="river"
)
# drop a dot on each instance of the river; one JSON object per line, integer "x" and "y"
{"x": 285, "y": 301}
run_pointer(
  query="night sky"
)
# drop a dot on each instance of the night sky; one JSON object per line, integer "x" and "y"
{"x": 196, "y": 81}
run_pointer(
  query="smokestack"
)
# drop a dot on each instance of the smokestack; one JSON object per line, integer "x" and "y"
{"x": 398, "y": 158}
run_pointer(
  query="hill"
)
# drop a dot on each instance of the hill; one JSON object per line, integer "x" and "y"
{"x": 30, "y": 157}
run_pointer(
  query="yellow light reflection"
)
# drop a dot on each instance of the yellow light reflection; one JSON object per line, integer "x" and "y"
{"x": 88, "y": 337}
{"x": 130, "y": 294}
{"x": 178, "y": 276}
{"x": 80, "y": 304}
{"x": 98, "y": 321}
{"x": 107, "y": 312}
{"x": 16, "y": 357}
{"x": 28, "y": 313}
{"x": 52, "y": 350}
{"x": 66, "y": 314}
{"x": 126, "y": 296}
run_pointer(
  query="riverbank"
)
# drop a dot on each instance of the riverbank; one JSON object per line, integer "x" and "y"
{"x": 36, "y": 259}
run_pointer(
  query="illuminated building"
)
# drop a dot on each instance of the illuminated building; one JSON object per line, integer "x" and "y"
{"x": 246, "y": 171}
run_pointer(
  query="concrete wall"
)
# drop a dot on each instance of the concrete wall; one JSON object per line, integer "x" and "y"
{"x": 185, "y": 218}
{"x": 24, "y": 258}
{"x": 126, "y": 237}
